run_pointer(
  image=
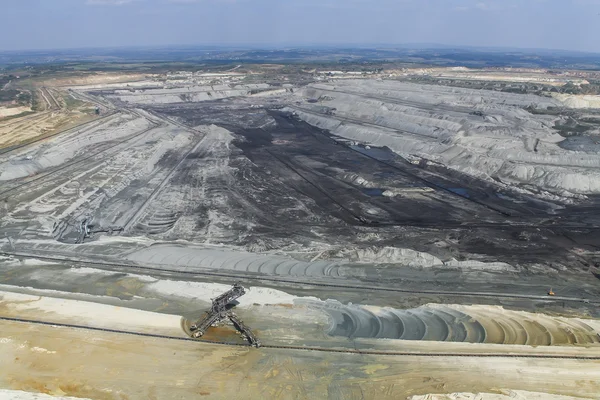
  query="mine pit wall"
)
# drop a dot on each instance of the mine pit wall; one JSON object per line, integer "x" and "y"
{"x": 407, "y": 127}
{"x": 453, "y": 323}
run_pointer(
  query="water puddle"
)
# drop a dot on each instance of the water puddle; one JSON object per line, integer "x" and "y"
{"x": 460, "y": 191}
{"x": 375, "y": 192}
{"x": 379, "y": 153}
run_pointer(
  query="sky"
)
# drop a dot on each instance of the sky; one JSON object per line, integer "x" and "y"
{"x": 58, "y": 24}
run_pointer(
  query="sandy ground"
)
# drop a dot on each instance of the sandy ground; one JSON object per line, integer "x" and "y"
{"x": 7, "y": 112}
{"x": 101, "y": 365}
{"x": 22, "y": 395}
{"x": 109, "y": 366}
{"x": 504, "y": 394}
{"x": 55, "y": 117}
{"x": 279, "y": 315}
{"x": 200, "y": 290}
{"x": 97, "y": 78}
{"x": 87, "y": 313}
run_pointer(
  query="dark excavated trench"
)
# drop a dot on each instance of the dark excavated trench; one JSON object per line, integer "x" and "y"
{"x": 289, "y": 158}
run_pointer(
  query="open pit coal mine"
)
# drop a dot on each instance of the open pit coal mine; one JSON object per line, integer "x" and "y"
{"x": 452, "y": 211}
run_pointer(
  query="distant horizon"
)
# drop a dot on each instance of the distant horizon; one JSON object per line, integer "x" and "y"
{"x": 297, "y": 46}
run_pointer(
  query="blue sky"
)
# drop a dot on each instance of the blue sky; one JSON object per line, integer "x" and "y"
{"x": 49, "y": 24}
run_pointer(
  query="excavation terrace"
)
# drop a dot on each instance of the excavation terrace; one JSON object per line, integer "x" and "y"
{"x": 373, "y": 215}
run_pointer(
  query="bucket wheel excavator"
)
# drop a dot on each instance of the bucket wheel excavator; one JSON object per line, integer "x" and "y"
{"x": 220, "y": 311}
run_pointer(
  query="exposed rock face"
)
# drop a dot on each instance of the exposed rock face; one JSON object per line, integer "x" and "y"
{"x": 457, "y": 323}
{"x": 483, "y": 133}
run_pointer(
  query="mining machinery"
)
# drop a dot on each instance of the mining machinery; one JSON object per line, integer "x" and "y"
{"x": 220, "y": 303}
{"x": 86, "y": 229}
{"x": 219, "y": 311}
{"x": 244, "y": 330}
{"x": 200, "y": 327}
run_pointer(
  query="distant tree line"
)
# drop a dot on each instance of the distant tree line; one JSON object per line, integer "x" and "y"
{"x": 9, "y": 94}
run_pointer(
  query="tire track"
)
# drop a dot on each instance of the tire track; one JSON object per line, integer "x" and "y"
{"x": 443, "y": 224}
{"x": 11, "y": 149}
{"x": 303, "y": 348}
{"x": 238, "y": 275}
{"x": 365, "y": 124}
{"x": 432, "y": 184}
{"x": 76, "y": 162}
{"x": 330, "y": 197}
{"x": 86, "y": 97}
{"x": 135, "y": 217}
{"x": 17, "y": 121}
{"x": 56, "y": 103}
{"x": 48, "y": 104}
{"x": 411, "y": 104}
